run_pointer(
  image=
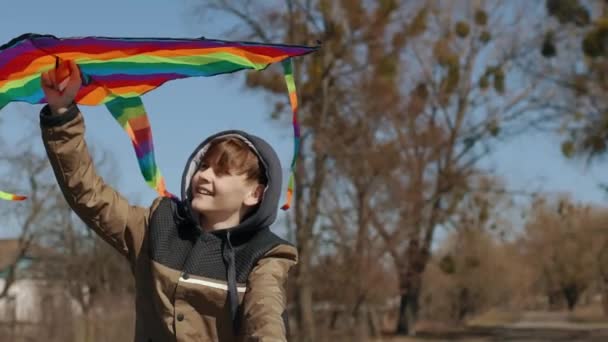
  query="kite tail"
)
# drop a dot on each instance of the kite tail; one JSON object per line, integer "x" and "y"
{"x": 5, "y": 195}
{"x": 11, "y": 197}
{"x": 131, "y": 115}
{"x": 293, "y": 99}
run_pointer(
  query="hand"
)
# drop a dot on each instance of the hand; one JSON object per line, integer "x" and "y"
{"x": 61, "y": 85}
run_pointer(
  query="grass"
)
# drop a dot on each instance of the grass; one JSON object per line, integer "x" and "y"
{"x": 591, "y": 314}
{"x": 493, "y": 318}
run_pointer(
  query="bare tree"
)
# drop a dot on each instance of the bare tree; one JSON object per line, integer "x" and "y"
{"x": 92, "y": 273}
{"x": 71, "y": 265}
{"x": 433, "y": 78}
{"x": 476, "y": 267}
{"x": 28, "y": 172}
{"x": 457, "y": 103}
{"x": 322, "y": 88}
{"x": 560, "y": 243}
{"x": 572, "y": 58}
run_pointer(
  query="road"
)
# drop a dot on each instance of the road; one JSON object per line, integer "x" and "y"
{"x": 531, "y": 327}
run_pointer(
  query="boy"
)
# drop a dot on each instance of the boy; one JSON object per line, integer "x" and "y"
{"x": 207, "y": 268}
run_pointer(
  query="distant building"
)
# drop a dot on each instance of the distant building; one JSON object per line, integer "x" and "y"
{"x": 29, "y": 292}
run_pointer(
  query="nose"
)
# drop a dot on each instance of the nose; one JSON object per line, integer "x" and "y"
{"x": 206, "y": 175}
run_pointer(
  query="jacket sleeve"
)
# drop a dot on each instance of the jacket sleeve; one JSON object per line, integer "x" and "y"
{"x": 264, "y": 303}
{"x": 100, "y": 207}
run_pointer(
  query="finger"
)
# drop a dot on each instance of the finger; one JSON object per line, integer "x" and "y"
{"x": 74, "y": 69}
{"x": 50, "y": 93}
{"x": 52, "y": 80}
{"x": 75, "y": 82}
{"x": 62, "y": 75}
{"x": 47, "y": 83}
{"x": 45, "y": 80}
{"x": 75, "y": 78}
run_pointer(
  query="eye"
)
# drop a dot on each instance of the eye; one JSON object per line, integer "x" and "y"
{"x": 203, "y": 166}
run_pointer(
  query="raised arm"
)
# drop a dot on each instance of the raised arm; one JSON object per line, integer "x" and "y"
{"x": 101, "y": 207}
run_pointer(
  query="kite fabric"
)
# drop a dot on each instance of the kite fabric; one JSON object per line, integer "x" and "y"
{"x": 293, "y": 99}
{"x": 117, "y": 71}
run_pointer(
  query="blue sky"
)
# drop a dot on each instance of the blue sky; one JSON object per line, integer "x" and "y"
{"x": 184, "y": 112}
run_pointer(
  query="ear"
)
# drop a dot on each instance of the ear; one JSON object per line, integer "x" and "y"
{"x": 254, "y": 196}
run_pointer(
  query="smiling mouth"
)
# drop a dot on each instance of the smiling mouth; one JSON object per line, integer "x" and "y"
{"x": 204, "y": 192}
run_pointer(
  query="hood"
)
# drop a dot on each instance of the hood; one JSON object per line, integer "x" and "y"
{"x": 266, "y": 213}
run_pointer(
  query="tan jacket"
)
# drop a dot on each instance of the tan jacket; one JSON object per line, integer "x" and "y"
{"x": 175, "y": 301}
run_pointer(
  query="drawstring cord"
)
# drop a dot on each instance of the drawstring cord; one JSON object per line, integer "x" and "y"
{"x": 232, "y": 290}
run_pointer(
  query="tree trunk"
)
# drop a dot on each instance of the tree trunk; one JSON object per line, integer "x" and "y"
{"x": 304, "y": 302}
{"x": 11, "y": 315}
{"x": 360, "y": 328}
{"x": 86, "y": 326}
{"x": 303, "y": 273}
{"x": 306, "y": 214}
{"x": 410, "y": 284}
{"x": 375, "y": 328}
{"x": 359, "y": 311}
{"x": 605, "y": 300}
{"x": 463, "y": 304}
{"x": 603, "y": 270}
{"x": 334, "y": 319}
{"x": 408, "y": 308}
{"x": 554, "y": 299}
{"x": 306, "y": 326}
{"x": 571, "y": 294}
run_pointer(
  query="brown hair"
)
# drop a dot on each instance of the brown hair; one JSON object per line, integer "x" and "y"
{"x": 231, "y": 155}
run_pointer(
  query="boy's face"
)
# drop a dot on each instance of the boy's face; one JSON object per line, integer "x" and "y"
{"x": 223, "y": 197}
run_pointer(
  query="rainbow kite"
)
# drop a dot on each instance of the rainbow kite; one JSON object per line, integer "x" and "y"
{"x": 117, "y": 71}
